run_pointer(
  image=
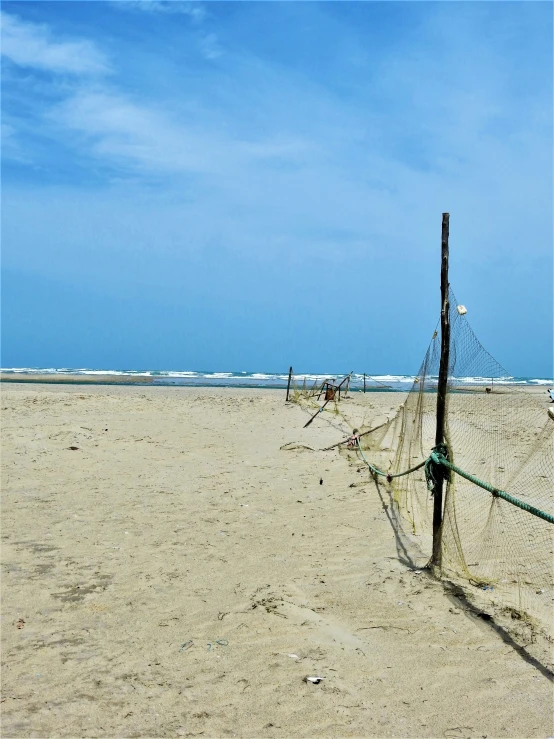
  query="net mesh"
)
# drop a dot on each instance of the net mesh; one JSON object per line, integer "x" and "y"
{"x": 502, "y": 433}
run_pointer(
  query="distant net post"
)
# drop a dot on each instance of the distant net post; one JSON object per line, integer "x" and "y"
{"x": 442, "y": 389}
{"x": 288, "y": 385}
{"x": 348, "y": 384}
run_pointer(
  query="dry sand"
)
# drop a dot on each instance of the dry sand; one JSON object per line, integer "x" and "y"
{"x": 180, "y": 575}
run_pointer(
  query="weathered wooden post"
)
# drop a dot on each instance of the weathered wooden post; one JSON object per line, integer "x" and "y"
{"x": 288, "y": 385}
{"x": 319, "y": 410}
{"x": 348, "y": 384}
{"x": 442, "y": 390}
{"x": 364, "y": 382}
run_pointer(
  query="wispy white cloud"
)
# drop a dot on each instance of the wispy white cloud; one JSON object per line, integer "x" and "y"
{"x": 207, "y": 42}
{"x": 195, "y": 10}
{"x": 31, "y": 45}
{"x": 7, "y": 131}
{"x": 144, "y": 138}
{"x": 11, "y": 148}
{"x": 272, "y": 150}
{"x": 210, "y": 47}
{"x": 136, "y": 136}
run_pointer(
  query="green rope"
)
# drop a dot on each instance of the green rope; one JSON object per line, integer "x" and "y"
{"x": 439, "y": 458}
{"x": 386, "y": 474}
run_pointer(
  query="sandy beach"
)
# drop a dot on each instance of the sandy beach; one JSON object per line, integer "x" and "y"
{"x": 169, "y": 570}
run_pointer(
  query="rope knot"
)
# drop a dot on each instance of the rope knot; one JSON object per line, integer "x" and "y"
{"x": 353, "y": 440}
{"x": 435, "y": 472}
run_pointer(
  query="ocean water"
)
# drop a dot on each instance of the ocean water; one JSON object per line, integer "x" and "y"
{"x": 264, "y": 379}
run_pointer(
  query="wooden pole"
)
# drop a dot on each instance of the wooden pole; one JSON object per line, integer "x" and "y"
{"x": 369, "y": 431}
{"x": 344, "y": 379}
{"x": 442, "y": 389}
{"x": 364, "y": 382}
{"x": 316, "y": 414}
{"x": 348, "y": 384}
{"x": 288, "y": 384}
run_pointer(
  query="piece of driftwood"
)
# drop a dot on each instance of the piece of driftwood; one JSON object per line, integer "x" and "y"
{"x": 370, "y": 431}
{"x": 316, "y": 414}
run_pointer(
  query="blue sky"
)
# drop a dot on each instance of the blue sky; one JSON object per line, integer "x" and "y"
{"x": 246, "y": 185}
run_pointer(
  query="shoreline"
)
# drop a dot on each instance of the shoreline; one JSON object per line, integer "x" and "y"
{"x": 157, "y": 381}
{"x": 60, "y": 379}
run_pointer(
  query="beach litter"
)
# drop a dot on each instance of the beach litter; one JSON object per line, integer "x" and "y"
{"x": 316, "y": 679}
{"x": 188, "y": 644}
{"x": 221, "y": 642}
